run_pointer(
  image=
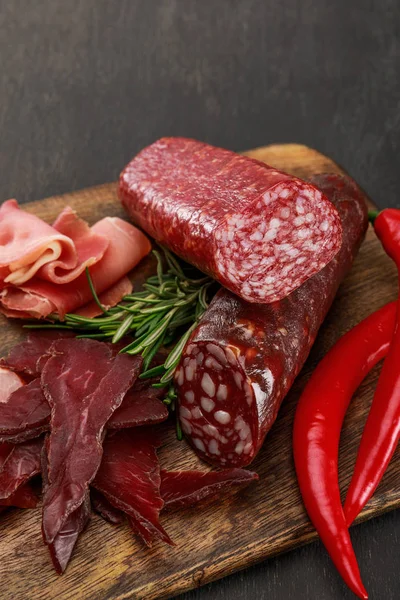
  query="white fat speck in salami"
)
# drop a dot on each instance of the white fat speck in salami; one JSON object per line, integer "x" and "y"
{"x": 222, "y": 392}
{"x": 207, "y": 404}
{"x": 208, "y": 385}
{"x": 199, "y": 444}
{"x": 222, "y": 417}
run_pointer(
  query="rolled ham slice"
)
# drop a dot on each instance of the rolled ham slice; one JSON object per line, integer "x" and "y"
{"x": 38, "y": 298}
{"x": 58, "y": 253}
{"x": 90, "y": 247}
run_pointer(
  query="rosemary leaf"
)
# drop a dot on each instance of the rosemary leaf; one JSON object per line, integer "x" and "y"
{"x": 154, "y": 372}
{"x": 122, "y": 329}
{"x": 94, "y": 293}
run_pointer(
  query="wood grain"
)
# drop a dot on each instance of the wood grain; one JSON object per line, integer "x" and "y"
{"x": 218, "y": 539}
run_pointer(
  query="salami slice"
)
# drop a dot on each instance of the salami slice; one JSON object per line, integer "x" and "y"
{"x": 260, "y": 232}
{"x": 242, "y": 358}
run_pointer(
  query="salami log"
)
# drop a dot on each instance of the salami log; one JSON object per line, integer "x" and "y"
{"x": 261, "y": 233}
{"x": 242, "y": 358}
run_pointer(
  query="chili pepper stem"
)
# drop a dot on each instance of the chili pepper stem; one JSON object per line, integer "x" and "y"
{"x": 372, "y": 214}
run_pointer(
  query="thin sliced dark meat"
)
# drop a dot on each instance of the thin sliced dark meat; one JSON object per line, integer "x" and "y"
{"x": 18, "y": 464}
{"x": 141, "y": 406}
{"x": 26, "y": 415}
{"x": 185, "y": 488}
{"x": 25, "y": 409}
{"x": 30, "y": 355}
{"x": 24, "y": 436}
{"x": 84, "y": 384}
{"x": 63, "y": 545}
{"x": 102, "y": 506}
{"x": 23, "y": 497}
{"x": 129, "y": 477}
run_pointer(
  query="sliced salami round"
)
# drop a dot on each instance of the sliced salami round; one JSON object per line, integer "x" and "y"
{"x": 242, "y": 358}
{"x": 261, "y": 233}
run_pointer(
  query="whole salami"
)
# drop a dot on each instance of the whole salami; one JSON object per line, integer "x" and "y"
{"x": 260, "y": 232}
{"x": 242, "y": 358}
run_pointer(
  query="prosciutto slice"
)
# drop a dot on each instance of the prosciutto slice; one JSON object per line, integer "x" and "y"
{"x": 59, "y": 253}
{"x": 84, "y": 384}
{"x": 39, "y": 298}
{"x": 129, "y": 478}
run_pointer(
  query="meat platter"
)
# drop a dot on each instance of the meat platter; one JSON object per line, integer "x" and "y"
{"x": 263, "y": 520}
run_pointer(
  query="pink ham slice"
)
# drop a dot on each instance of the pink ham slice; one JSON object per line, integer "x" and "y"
{"x": 90, "y": 247}
{"x": 9, "y": 382}
{"x": 109, "y": 298}
{"x": 29, "y": 246}
{"x": 38, "y": 298}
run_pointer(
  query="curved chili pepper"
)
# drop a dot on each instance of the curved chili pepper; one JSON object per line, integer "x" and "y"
{"x": 382, "y": 429}
{"x": 317, "y": 426}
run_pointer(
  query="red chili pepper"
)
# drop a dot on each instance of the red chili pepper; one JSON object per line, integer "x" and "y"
{"x": 382, "y": 429}
{"x": 317, "y": 427}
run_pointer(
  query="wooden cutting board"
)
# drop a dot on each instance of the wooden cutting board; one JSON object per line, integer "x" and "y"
{"x": 237, "y": 531}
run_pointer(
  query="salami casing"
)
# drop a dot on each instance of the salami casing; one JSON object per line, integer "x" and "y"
{"x": 260, "y": 232}
{"x": 242, "y": 358}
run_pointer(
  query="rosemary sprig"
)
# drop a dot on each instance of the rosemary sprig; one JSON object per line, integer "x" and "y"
{"x": 164, "y": 313}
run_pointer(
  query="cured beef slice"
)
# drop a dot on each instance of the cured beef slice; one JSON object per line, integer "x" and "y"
{"x": 84, "y": 384}
{"x": 105, "y": 508}
{"x": 26, "y": 413}
{"x": 23, "y": 497}
{"x": 26, "y": 409}
{"x": 18, "y": 464}
{"x": 242, "y": 358}
{"x": 185, "y": 488}
{"x": 63, "y": 544}
{"x": 141, "y": 406}
{"x": 30, "y": 355}
{"x": 260, "y": 232}
{"x": 129, "y": 478}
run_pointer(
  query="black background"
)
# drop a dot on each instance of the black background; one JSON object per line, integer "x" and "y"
{"x": 85, "y": 84}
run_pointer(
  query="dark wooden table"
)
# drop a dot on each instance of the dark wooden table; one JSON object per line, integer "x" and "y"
{"x": 84, "y": 84}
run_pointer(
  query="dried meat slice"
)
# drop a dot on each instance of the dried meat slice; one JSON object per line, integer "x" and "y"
{"x": 261, "y": 233}
{"x": 26, "y": 409}
{"x": 185, "y": 488}
{"x": 141, "y": 406}
{"x": 30, "y": 355}
{"x": 18, "y": 464}
{"x": 84, "y": 384}
{"x": 63, "y": 544}
{"x": 129, "y": 478}
{"x": 23, "y": 497}
{"x": 101, "y": 505}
